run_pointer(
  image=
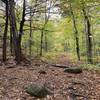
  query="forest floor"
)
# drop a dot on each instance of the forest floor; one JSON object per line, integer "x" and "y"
{"x": 65, "y": 86}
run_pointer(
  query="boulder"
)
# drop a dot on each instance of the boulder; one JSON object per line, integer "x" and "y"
{"x": 74, "y": 70}
{"x": 37, "y": 90}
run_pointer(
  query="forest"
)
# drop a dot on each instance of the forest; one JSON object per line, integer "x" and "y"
{"x": 49, "y": 49}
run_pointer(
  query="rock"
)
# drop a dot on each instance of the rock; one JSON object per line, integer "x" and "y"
{"x": 37, "y": 90}
{"x": 74, "y": 70}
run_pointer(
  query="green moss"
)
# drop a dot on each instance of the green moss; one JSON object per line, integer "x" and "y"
{"x": 91, "y": 67}
{"x": 74, "y": 70}
{"x": 37, "y": 90}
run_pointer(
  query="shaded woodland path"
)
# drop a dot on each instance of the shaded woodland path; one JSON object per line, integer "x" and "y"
{"x": 65, "y": 86}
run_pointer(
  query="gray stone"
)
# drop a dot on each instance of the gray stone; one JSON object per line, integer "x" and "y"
{"x": 37, "y": 90}
{"x": 74, "y": 70}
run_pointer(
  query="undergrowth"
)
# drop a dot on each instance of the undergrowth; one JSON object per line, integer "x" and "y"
{"x": 91, "y": 67}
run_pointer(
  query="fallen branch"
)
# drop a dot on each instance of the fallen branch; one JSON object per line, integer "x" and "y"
{"x": 59, "y": 65}
{"x": 55, "y": 65}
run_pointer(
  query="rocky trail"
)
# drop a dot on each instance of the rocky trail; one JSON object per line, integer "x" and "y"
{"x": 64, "y": 86}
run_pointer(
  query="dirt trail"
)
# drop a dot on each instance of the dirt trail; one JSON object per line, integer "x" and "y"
{"x": 65, "y": 86}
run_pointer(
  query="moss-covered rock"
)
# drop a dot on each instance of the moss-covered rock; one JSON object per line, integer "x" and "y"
{"x": 98, "y": 64}
{"x": 37, "y": 90}
{"x": 74, "y": 70}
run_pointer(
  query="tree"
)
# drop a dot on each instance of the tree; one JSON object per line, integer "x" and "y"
{"x": 88, "y": 36}
{"x": 21, "y": 30}
{"x": 5, "y": 33}
{"x": 76, "y": 32}
{"x": 14, "y": 30}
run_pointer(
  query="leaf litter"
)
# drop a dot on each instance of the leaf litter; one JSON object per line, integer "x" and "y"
{"x": 64, "y": 86}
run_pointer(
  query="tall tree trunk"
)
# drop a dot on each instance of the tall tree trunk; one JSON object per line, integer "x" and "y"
{"x": 30, "y": 35}
{"x": 88, "y": 37}
{"x": 43, "y": 34}
{"x": 21, "y": 29}
{"x": 14, "y": 30}
{"x": 76, "y": 32}
{"x": 5, "y": 34}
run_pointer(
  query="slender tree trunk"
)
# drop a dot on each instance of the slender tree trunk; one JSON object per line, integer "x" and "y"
{"x": 43, "y": 34}
{"x": 88, "y": 37}
{"x": 30, "y": 35}
{"x": 41, "y": 43}
{"x": 5, "y": 34}
{"x": 21, "y": 30}
{"x": 76, "y": 33}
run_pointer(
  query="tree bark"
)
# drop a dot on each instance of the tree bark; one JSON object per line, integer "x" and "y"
{"x": 11, "y": 42}
{"x": 76, "y": 32}
{"x": 14, "y": 30}
{"x": 46, "y": 42}
{"x": 88, "y": 37}
{"x": 21, "y": 30}
{"x": 5, "y": 34}
{"x": 41, "y": 43}
{"x": 30, "y": 35}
